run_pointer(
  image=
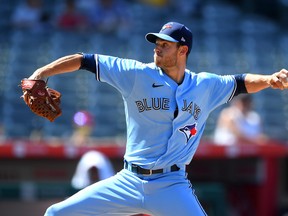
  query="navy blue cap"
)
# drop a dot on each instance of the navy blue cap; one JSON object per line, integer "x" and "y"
{"x": 173, "y": 32}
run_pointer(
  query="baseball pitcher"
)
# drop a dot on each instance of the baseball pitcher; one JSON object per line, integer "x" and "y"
{"x": 166, "y": 107}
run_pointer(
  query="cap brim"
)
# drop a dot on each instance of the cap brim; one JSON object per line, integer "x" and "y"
{"x": 151, "y": 37}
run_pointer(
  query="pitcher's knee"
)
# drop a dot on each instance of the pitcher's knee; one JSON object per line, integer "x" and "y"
{"x": 61, "y": 209}
{"x": 51, "y": 211}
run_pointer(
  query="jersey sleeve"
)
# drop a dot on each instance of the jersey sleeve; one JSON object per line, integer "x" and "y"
{"x": 221, "y": 89}
{"x": 119, "y": 73}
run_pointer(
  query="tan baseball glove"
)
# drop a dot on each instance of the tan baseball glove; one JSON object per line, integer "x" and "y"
{"x": 43, "y": 101}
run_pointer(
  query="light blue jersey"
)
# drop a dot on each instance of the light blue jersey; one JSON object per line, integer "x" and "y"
{"x": 164, "y": 124}
{"x": 156, "y": 138}
{"x": 165, "y": 121}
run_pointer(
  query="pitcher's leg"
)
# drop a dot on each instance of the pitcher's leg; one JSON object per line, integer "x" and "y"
{"x": 117, "y": 194}
{"x": 175, "y": 198}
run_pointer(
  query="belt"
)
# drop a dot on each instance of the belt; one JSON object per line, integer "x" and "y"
{"x": 147, "y": 172}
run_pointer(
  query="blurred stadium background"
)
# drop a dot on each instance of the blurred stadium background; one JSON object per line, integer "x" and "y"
{"x": 230, "y": 37}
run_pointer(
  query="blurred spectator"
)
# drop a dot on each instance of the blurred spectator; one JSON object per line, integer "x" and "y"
{"x": 155, "y": 2}
{"x": 29, "y": 15}
{"x": 36, "y": 135}
{"x": 110, "y": 16}
{"x": 239, "y": 123}
{"x": 86, "y": 5}
{"x": 188, "y": 7}
{"x": 2, "y": 133}
{"x": 83, "y": 123}
{"x": 92, "y": 167}
{"x": 70, "y": 18}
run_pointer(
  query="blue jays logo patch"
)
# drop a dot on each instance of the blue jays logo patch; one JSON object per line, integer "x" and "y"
{"x": 189, "y": 131}
{"x": 167, "y": 26}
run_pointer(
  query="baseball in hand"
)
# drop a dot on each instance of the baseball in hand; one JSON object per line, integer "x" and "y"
{"x": 285, "y": 82}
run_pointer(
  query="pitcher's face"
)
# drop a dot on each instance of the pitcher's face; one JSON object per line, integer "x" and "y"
{"x": 166, "y": 53}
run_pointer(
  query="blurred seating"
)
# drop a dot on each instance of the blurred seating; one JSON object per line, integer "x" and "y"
{"x": 225, "y": 41}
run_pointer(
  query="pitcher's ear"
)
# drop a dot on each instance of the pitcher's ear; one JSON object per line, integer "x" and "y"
{"x": 183, "y": 50}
